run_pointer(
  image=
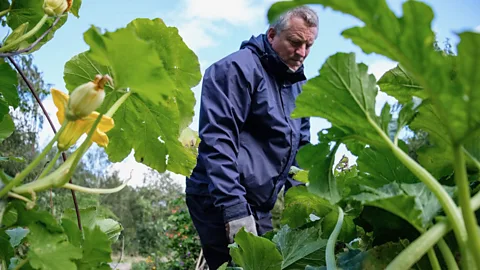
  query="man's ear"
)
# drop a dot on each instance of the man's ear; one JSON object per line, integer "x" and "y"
{"x": 271, "y": 34}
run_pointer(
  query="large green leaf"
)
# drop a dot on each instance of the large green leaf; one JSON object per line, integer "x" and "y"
{"x": 381, "y": 167}
{"x": 7, "y": 127}
{"x": 437, "y": 155}
{"x": 60, "y": 254}
{"x": 180, "y": 63}
{"x": 81, "y": 69}
{"x": 87, "y": 215}
{"x": 376, "y": 258}
{"x": 300, "y": 248}
{"x": 96, "y": 250}
{"x": 347, "y": 94}
{"x": 6, "y": 249}
{"x": 468, "y": 115}
{"x": 26, "y": 217}
{"x": 151, "y": 61}
{"x": 73, "y": 233}
{"x": 8, "y": 84}
{"x": 318, "y": 160}
{"x": 414, "y": 203}
{"x": 91, "y": 219}
{"x": 255, "y": 253}
{"x": 141, "y": 70}
{"x": 31, "y": 11}
{"x": 399, "y": 84}
{"x": 300, "y": 204}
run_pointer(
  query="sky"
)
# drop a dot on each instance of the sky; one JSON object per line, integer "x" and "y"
{"x": 216, "y": 28}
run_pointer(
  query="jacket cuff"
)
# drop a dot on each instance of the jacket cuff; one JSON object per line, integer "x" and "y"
{"x": 236, "y": 211}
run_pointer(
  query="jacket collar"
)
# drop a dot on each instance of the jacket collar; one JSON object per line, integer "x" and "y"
{"x": 272, "y": 62}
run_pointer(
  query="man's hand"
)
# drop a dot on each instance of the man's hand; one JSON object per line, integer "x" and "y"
{"x": 234, "y": 226}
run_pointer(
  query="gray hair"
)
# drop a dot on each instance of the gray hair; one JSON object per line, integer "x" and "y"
{"x": 304, "y": 12}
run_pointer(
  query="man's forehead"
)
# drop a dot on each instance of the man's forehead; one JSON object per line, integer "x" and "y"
{"x": 297, "y": 27}
{"x": 304, "y": 33}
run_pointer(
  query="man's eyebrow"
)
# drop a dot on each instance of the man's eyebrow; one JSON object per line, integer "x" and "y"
{"x": 298, "y": 37}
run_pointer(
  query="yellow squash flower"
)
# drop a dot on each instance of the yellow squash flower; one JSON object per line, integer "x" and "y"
{"x": 75, "y": 129}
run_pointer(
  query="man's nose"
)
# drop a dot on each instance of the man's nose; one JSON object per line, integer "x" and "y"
{"x": 302, "y": 50}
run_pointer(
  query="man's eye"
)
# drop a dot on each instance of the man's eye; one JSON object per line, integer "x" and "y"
{"x": 295, "y": 43}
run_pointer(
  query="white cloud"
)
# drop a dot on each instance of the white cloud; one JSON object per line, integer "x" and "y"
{"x": 477, "y": 29}
{"x": 194, "y": 36}
{"x": 235, "y": 12}
{"x": 201, "y": 23}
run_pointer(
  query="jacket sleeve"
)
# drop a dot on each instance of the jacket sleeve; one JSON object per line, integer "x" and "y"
{"x": 304, "y": 132}
{"x": 225, "y": 103}
{"x": 304, "y": 140}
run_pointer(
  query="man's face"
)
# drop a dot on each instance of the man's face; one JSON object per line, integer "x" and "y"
{"x": 293, "y": 43}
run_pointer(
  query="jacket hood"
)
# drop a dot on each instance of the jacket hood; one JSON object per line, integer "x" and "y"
{"x": 270, "y": 59}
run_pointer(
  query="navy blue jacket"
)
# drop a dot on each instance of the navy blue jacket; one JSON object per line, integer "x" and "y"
{"x": 248, "y": 139}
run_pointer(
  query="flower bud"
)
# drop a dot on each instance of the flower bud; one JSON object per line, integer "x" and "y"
{"x": 86, "y": 98}
{"x": 56, "y": 7}
{"x": 189, "y": 138}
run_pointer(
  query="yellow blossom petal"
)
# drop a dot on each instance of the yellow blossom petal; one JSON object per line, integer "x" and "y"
{"x": 105, "y": 125}
{"x": 60, "y": 99}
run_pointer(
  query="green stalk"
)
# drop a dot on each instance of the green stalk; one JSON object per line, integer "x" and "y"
{"x": 20, "y": 197}
{"x": 433, "y": 259}
{"x": 424, "y": 242}
{"x": 447, "y": 255}
{"x": 95, "y": 190}
{"x": 3, "y": 12}
{"x": 410, "y": 255}
{"x": 47, "y": 181}
{"x": 26, "y": 36}
{"x": 449, "y": 206}
{"x": 19, "y": 178}
{"x": 50, "y": 165}
{"x": 330, "y": 251}
{"x": 464, "y": 199}
{"x": 117, "y": 104}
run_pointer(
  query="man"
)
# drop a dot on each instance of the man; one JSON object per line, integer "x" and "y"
{"x": 248, "y": 139}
